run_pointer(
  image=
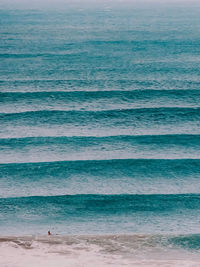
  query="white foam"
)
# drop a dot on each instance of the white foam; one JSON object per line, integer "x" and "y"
{"x": 12, "y": 256}
{"x": 53, "y": 255}
{"x": 95, "y": 251}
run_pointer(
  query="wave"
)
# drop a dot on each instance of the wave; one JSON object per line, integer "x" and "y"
{"x": 132, "y": 176}
{"x": 95, "y": 205}
{"x": 110, "y": 204}
{"x": 116, "y": 167}
{"x": 171, "y": 139}
{"x": 51, "y": 55}
{"x": 99, "y": 100}
{"x": 32, "y": 149}
{"x": 145, "y": 121}
{"x": 172, "y": 115}
{"x": 127, "y": 94}
{"x": 38, "y": 84}
{"x": 78, "y": 50}
{"x": 102, "y": 213}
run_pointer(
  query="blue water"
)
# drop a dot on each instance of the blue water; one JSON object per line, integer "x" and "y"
{"x": 100, "y": 120}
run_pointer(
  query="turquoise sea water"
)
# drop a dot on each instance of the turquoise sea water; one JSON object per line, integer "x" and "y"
{"x": 100, "y": 121}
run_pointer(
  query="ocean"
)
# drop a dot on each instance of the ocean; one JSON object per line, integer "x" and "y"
{"x": 100, "y": 135}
